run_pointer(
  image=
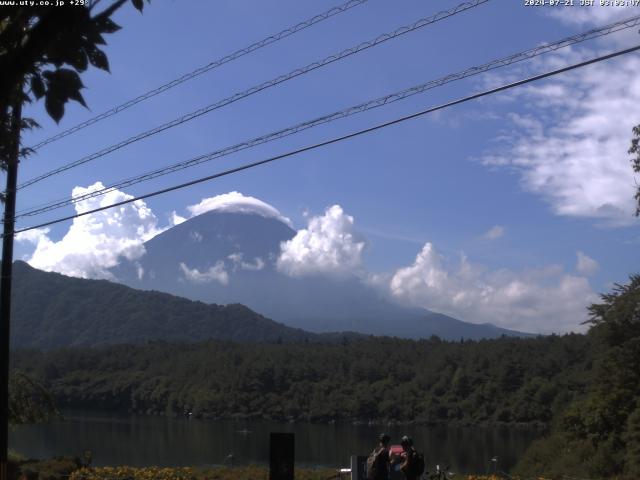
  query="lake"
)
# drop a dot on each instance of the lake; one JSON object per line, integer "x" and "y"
{"x": 144, "y": 440}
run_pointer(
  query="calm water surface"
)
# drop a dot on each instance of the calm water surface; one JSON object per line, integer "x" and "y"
{"x": 143, "y": 441}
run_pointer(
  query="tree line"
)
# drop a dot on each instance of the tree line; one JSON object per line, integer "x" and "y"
{"x": 598, "y": 434}
{"x": 501, "y": 381}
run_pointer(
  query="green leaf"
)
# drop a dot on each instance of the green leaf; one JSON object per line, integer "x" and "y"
{"x": 98, "y": 58}
{"x": 37, "y": 86}
{"x": 64, "y": 85}
{"x": 77, "y": 96}
{"x": 93, "y": 36}
{"x": 29, "y": 124}
{"x": 26, "y": 152}
{"x": 106, "y": 25}
{"x": 71, "y": 77}
{"x": 78, "y": 59}
{"x": 66, "y": 79}
{"x": 55, "y": 106}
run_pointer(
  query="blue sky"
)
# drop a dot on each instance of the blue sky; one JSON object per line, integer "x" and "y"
{"x": 544, "y": 169}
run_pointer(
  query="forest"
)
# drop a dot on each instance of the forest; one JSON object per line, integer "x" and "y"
{"x": 47, "y": 306}
{"x": 508, "y": 380}
{"x": 584, "y": 389}
{"x": 598, "y": 434}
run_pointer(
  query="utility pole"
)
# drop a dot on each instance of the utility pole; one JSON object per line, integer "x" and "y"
{"x": 13, "y": 158}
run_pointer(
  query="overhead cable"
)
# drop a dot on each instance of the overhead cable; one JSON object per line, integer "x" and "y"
{"x": 375, "y": 103}
{"x": 203, "y": 69}
{"x": 258, "y": 88}
{"x": 338, "y": 139}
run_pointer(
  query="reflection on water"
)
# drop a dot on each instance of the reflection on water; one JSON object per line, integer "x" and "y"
{"x": 139, "y": 441}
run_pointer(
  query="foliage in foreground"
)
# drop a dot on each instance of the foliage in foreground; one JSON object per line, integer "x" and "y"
{"x": 599, "y": 434}
{"x": 43, "y": 51}
{"x": 29, "y": 402}
{"x": 503, "y": 381}
{"x": 58, "y": 468}
{"x": 68, "y": 468}
{"x": 219, "y": 473}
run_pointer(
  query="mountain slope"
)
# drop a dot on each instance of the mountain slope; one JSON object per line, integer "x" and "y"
{"x": 230, "y": 257}
{"x": 52, "y": 310}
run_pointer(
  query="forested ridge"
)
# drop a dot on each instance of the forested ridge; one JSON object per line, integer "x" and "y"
{"x": 52, "y": 310}
{"x": 507, "y": 380}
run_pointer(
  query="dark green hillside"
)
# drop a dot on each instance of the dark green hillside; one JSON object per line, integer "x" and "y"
{"x": 508, "y": 381}
{"x": 598, "y": 435}
{"x": 51, "y": 311}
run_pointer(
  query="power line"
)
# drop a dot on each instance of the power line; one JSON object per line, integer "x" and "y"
{"x": 341, "y": 138}
{"x": 205, "y": 68}
{"x": 378, "y": 102}
{"x": 263, "y": 86}
{"x": 528, "y": 54}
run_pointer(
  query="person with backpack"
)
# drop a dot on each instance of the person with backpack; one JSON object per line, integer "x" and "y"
{"x": 411, "y": 462}
{"x": 378, "y": 460}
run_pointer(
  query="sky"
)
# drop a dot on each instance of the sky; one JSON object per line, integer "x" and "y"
{"x": 516, "y": 209}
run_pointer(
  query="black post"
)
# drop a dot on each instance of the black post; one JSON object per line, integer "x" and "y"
{"x": 5, "y": 281}
{"x": 281, "y": 456}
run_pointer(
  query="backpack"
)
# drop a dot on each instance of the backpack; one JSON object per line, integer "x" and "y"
{"x": 372, "y": 463}
{"x": 418, "y": 464}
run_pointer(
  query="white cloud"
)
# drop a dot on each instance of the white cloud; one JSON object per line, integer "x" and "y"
{"x": 586, "y": 265}
{"x": 139, "y": 270}
{"x": 238, "y": 262}
{"x": 32, "y": 236}
{"x": 216, "y": 273}
{"x": 94, "y": 242}
{"x": 568, "y": 140}
{"x": 238, "y": 203}
{"x": 176, "y": 219}
{"x": 196, "y": 236}
{"x": 328, "y": 245}
{"x": 539, "y": 301}
{"x": 494, "y": 232}
{"x": 593, "y": 15}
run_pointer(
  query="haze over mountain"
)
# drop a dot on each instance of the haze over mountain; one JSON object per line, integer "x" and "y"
{"x": 233, "y": 255}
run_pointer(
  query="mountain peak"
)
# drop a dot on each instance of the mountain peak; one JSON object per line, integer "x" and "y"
{"x": 236, "y": 202}
{"x": 228, "y": 253}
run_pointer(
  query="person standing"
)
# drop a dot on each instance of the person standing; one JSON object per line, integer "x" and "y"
{"x": 411, "y": 462}
{"x": 378, "y": 461}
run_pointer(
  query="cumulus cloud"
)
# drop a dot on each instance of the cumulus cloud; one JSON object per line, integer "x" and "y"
{"x": 238, "y": 203}
{"x": 585, "y": 264}
{"x": 94, "y": 242}
{"x": 216, "y": 273}
{"x": 328, "y": 245}
{"x": 539, "y": 301}
{"x": 32, "y": 236}
{"x": 569, "y": 137}
{"x": 176, "y": 219}
{"x": 494, "y": 233}
{"x": 239, "y": 263}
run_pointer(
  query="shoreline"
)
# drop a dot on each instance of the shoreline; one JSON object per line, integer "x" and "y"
{"x": 74, "y": 411}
